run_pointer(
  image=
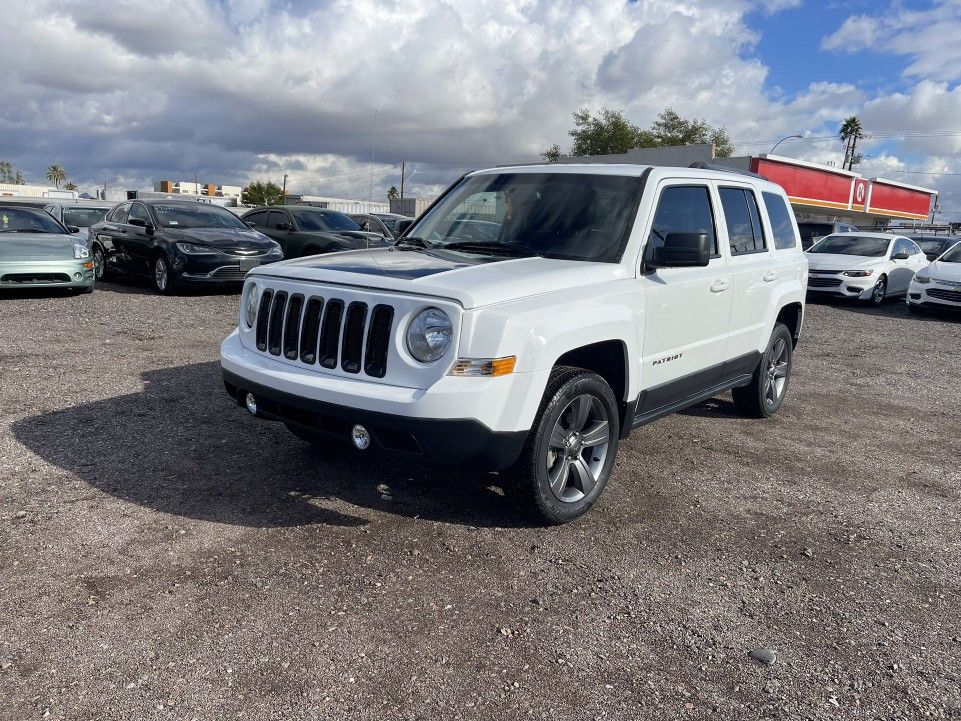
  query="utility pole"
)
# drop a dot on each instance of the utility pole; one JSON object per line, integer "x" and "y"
{"x": 403, "y": 165}
{"x": 283, "y": 199}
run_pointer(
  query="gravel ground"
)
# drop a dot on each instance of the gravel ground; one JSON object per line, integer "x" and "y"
{"x": 165, "y": 556}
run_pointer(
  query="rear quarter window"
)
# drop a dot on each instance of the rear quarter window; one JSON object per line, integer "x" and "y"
{"x": 781, "y": 226}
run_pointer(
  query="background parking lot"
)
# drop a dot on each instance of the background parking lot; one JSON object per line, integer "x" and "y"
{"x": 164, "y": 555}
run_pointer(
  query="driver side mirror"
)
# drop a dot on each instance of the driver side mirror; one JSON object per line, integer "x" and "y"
{"x": 282, "y": 226}
{"x": 682, "y": 250}
{"x": 251, "y": 224}
{"x": 140, "y": 223}
{"x": 401, "y": 226}
{"x": 900, "y": 256}
{"x": 73, "y": 228}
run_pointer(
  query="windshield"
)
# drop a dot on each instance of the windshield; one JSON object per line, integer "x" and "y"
{"x": 933, "y": 245}
{"x": 853, "y": 245}
{"x": 324, "y": 220}
{"x": 28, "y": 220}
{"x": 810, "y": 231}
{"x": 197, "y": 216}
{"x": 83, "y": 217}
{"x": 952, "y": 256}
{"x": 574, "y": 216}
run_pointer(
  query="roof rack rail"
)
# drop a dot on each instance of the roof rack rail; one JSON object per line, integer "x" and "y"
{"x": 701, "y": 165}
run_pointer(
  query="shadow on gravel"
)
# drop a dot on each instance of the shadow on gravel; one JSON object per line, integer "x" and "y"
{"x": 891, "y": 308}
{"x": 139, "y": 286}
{"x": 712, "y": 408}
{"x": 181, "y": 446}
{"x": 29, "y": 293}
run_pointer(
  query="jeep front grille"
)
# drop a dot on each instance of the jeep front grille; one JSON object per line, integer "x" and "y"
{"x": 316, "y": 330}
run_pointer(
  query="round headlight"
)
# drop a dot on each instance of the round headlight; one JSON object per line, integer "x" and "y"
{"x": 250, "y": 306}
{"x": 429, "y": 335}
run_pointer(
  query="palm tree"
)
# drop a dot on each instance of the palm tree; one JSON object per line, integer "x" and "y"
{"x": 392, "y": 193}
{"x": 850, "y": 133}
{"x": 56, "y": 174}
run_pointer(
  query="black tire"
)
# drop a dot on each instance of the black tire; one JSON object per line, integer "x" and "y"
{"x": 545, "y": 456}
{"x": 879, "y": 292}
{"x": 169, "y": 286}
{"x": 315, "y": 439}
{"x": 764, "y": 396}
{"x": 100, "y": 270}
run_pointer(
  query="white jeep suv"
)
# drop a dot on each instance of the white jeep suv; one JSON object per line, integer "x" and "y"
{"x": 529, "y": 320}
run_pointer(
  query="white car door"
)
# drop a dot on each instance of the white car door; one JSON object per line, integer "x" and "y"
{"x": 901, "y": 269}
{"x": 918, "y": 259}
{"x": 753, "y": 271}
{"x": 687, "y": 310}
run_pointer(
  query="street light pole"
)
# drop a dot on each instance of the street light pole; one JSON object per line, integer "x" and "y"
{"x": 787, "y": 137}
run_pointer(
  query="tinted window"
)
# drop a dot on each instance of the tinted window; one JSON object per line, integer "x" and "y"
{"x": 683, "y": 209}
{"x": 953, "y": 255}
{"x": 258, "y": 219}
{"x": 853, "y": 245}
{"x": 915, "y": 250}
{"x": 277, "y": 218}
{"x": 137, "y": 210}
{"x": 320, "y": 220}
{"x": 743, "y": 222}
{"x": 196, "y": 215}
{"x": 83, "y": 217}
{"x": 781, "y": 226}
{"x": 28, "y": 220}
{"x": 389, "y": 221}
{"x": 119, "y": 214}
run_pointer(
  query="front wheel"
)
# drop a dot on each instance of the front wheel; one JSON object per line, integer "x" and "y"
{"x": 879, "y": 292}
{"x": 570, "y": 451}
{"x": 764, "y": 395}
{"x": 163, "y": 278}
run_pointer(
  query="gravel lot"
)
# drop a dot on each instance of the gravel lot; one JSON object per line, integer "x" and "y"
{"x": 165, "y": 556}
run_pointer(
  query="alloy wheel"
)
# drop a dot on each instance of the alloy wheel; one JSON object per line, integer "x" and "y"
{"x": 775, "y": 377}
{"x": 160, "y": 273}
{"x": 98, "y": 261}
{"x": 577, "y": 448}
{"x": 878, "y": 295}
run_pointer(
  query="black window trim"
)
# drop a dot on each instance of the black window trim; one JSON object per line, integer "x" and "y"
{"x": 682, "y": 183}
{"x": 146, "y": 208}
{"x": 283, "y": 214}
{"x": 746, "y": 189}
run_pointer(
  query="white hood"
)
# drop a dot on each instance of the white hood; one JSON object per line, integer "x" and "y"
{"x": 471, "y": 280}
{"x": 939, "y": 270}
{"x": 837, "y": 261}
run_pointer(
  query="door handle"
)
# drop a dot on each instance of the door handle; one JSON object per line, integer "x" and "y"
{"x": 720, "y": 285}
{"x": 769, "y": 277}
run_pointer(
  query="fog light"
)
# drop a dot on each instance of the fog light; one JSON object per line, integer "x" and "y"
{"x": 78, "y": 276}
{"x": 360, "y": 437}
{"x": 251, "y": 404}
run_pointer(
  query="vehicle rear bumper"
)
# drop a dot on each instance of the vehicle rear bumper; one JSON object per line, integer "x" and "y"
{"x": 47, "y": 273}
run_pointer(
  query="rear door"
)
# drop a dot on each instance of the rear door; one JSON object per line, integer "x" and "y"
{"x": 278, "y": 228}
{"x": 110, "y": 235}
{"x": 751, "y": 266}
{"x": 688, "y": 310}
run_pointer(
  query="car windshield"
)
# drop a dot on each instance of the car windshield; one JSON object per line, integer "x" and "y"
{"x": 574, "y": 216}
{"x": 83, "y": 217}
{"x": 28, "y": 220}
{"x": 953, "y": 255}
{"x": 853, "y": 245}
{"x": 324, "y": 220}
{"x": 810, "y": 231}
{"x": 200, "y": 215}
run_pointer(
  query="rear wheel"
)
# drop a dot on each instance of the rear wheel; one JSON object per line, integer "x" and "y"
{"x": 570, "y": 451}
{"x": 99, "y": 263}
{"x": 764, "y": 395}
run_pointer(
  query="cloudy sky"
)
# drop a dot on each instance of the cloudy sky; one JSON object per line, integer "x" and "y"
{"x": 132, "y": 92}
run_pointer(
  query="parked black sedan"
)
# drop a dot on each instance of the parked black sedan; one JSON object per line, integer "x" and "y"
{"x": 309, "y": 230}
{"x": 934, "y": 245}
{"x": 181, "y": 242}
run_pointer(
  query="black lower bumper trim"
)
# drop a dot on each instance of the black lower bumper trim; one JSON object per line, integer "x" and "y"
{"x": 463, "y": 441}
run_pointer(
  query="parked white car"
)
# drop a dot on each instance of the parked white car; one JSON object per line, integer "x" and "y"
{"x": 866, "y": 266}
{"x": 938, "y": 285}
{"x": 529, "y": 320}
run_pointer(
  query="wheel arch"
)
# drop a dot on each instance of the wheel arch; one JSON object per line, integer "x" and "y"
{"x": 792, "y": 315}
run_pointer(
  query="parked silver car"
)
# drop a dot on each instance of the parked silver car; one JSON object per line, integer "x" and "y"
{"x": 38, "y": 251}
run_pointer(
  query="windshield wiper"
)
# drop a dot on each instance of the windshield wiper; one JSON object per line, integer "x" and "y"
{"x": 413, "y": 242}
{"x": 481, "y": 246}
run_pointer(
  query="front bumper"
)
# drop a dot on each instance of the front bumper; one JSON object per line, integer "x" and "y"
{"x": 471, "y": 421}
{"x": 47, "y": 273}
{"x": 934, "y": 295}
{"x": 842, "y": 286}
{"x": 214, "y": 268}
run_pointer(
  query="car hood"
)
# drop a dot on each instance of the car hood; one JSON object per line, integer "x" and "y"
{"x": 943, "y": 271}
{"x": 223, "y": 238}
{"x": 836, "y": 261}
{"x": 353, "y": 239}
{"x": 471, "y": 280}
{"x": 35, "y": 246}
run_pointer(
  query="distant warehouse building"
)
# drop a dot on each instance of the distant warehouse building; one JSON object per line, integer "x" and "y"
{"x": 184, "y": 187}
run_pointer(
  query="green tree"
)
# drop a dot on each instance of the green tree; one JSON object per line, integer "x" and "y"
{"x": 392, "y": 193}
{"x": 851, "y": 132}
{"x": 609, "y": 132}
{"x": 56, "y": 174}
{"x": 9, "y": 174}
{"x": 262, "y": 192}
{"x": 70, "y": 186}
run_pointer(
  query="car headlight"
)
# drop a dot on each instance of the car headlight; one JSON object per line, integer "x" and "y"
{"x": 193, "y": 249}
{"x": 858, "y": 273}
{"x": 80, "y": 250}
{"x": 276, "y": 247}
{"x": 251, "y": 304}
{"x": 429, "y": 335}
{"x": 922, "y": 279}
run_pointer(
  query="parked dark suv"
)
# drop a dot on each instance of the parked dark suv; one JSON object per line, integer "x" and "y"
{"x": 181, "y": 242}
{"x": 307, "y": 230}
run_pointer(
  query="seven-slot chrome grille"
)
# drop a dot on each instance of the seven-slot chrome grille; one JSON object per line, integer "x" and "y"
{"x": 325, "y": 331}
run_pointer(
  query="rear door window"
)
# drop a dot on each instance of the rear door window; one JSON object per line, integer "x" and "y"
{"x": 258, "y": 219}
{"x": 781, "y": 226}
{"x": 743, "y": 221}
{"x": 277, "y": 218}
